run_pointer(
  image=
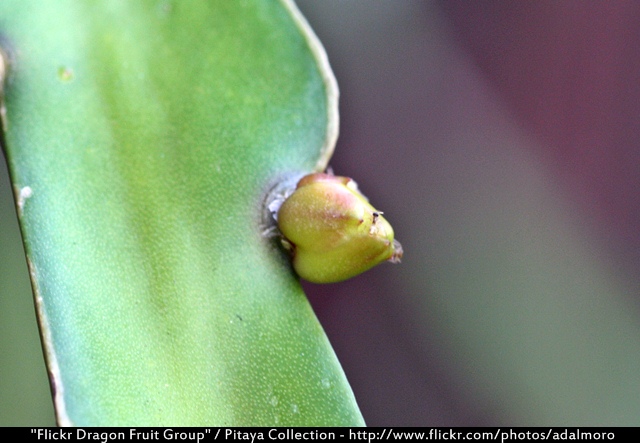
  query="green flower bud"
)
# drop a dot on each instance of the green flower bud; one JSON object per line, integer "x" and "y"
{"x": 333, "y": 231}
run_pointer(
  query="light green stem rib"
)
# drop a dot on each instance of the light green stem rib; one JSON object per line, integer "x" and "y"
{"x": 141, "y": 139}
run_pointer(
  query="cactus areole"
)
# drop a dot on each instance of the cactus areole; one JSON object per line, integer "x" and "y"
{"x": 332, "y": 230}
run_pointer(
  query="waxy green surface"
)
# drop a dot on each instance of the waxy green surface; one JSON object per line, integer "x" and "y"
{"x": 142, "y": 138}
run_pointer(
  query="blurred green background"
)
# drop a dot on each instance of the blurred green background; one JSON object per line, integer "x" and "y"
{"x": 500, "y": 140}
{"x": 25, "y": 399}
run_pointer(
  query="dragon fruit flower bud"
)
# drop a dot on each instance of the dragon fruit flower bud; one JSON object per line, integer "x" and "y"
{"x": 333, "y": 231}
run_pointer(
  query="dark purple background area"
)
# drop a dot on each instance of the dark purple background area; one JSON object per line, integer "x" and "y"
{"x": 570, "y": 71}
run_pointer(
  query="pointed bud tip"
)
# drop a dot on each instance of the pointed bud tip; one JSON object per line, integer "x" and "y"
{"x": 396, "y": 257}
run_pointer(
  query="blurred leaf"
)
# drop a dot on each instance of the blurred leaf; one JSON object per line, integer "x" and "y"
{"x": 24, "y": 390}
